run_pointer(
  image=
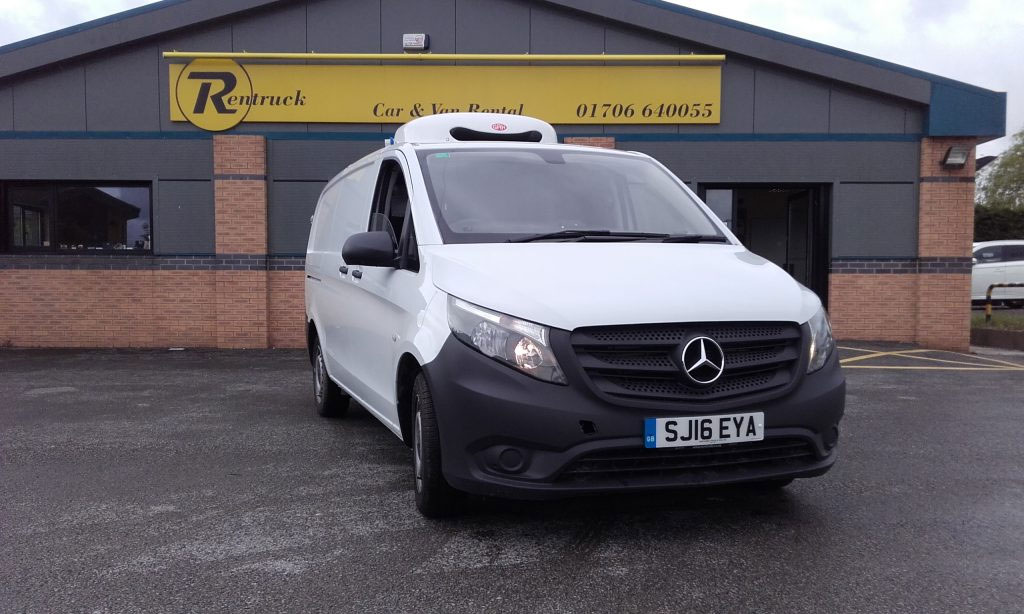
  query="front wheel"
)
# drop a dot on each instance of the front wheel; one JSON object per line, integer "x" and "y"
{"x": 330, "y": 401}
{"x": 434, "y": 497}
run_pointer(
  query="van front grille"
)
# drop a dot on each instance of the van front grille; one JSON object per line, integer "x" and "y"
{"x": 643, "y": 361}
{"x": 688, "y": 464}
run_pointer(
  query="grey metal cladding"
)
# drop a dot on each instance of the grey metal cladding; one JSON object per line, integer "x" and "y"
{"x": 436, "y": 18}
{"x": 343, "y": 27}
{"x": 51, "y": 100}
{"x": 290, "y": 206}
{"x": 787, "y": 103}
{"x": 280, "y": 29}
{"x": 785, "y": 161}
{"x": 121, "y": 91}
{"x": 207, "y": 39}
{"x": 183, "y": 218}
{"x": 874, "y": 220}
{"x": 630, "y": 40}
{"x": 737, "y": 113}
{"x": 492, "y": 26}
{"x": 144, "y": 23}
{"x": 856, "y": 112}
{"x": 913, "y": 120}
{"x": 314, "y": 160}
{"x": 106, "y": 159}
{"x": 558, "y": 31}
{"x": 742, "y": 41}
{"x": 6, "y": 109}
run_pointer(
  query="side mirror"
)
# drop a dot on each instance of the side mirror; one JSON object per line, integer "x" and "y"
{"x": 974, "y": 261}
{"x": 375, "y": 248}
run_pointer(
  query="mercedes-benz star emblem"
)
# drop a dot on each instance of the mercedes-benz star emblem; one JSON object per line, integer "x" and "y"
{"x": 703, "y": 360}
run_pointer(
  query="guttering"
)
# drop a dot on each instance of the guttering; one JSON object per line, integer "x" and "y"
{"x": 448, "y": 57}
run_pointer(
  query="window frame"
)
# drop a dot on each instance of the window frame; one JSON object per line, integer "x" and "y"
{"x": 6, "y": 209}
{"x": 998, "y": 249}
{"x": 449, "y": 236}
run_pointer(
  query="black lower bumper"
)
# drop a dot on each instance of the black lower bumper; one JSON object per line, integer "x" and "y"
{"x": 506, "y": 434}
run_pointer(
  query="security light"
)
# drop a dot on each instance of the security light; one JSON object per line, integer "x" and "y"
{"x": 415, "y": 42}
{"x": 956, "y": 156}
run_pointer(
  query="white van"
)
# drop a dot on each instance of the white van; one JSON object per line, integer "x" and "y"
{"x": 998, "y": 262}
{"x": 539, "y": 320}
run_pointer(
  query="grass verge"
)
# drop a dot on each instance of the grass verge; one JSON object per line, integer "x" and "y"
{"x": 1000, "y": 321}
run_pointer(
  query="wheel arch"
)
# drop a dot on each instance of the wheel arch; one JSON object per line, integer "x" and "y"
{"x": 311, "y": 336}
{"x": 408, "y": 368}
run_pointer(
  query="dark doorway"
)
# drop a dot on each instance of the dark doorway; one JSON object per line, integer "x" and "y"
{"x": 785, "y": 223}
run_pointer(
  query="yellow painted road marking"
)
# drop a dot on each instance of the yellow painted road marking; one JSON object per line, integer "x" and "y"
{"x": 913, "y": 368}
{"x": 1000, "y": 365}
{"x": 1003, "y": 362}
{"x": 845, "y": 361}
{"x": 955, "y": 362}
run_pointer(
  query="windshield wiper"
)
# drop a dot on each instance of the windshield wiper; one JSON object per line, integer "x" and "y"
{"x": 582, "y": 234}
{"x": 695, "y": 239}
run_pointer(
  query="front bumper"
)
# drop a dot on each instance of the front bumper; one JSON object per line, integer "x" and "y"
{"x": 506, "y": 434}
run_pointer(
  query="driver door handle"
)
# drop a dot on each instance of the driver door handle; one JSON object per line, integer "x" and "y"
{"x": 357, "y": 274}
{"x": 343, "y": 270}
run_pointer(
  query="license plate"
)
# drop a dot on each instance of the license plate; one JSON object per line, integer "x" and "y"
{"x": 703, "y": 430}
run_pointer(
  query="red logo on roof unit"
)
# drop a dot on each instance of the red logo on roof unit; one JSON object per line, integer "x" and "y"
{"x": 499, "y": 127}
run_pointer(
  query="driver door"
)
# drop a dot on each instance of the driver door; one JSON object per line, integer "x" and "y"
{"x": 385, "y": 314}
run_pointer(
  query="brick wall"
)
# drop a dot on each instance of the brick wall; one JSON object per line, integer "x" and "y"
{"x": 286, "y": 309}
{"x": 240, "y": 199}
{"x": 945, "y": 230}
{"x": 873, "y": 306}
{"x": 232, "y": 300}
{"x": 607, "y": 142}
{"x": 925, "y": 300}
{"x": 107, "y": 308}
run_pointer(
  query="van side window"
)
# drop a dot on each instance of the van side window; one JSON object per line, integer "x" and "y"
{"x": 990, "y": 254}
{"x": 1013, "y": 253}
{"x": 348, "y": 201}
{"x": 392, "y": 198}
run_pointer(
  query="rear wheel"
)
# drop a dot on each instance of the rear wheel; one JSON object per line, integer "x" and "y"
{"x": 330, "y": 401}
{"x": 434, "y": 497}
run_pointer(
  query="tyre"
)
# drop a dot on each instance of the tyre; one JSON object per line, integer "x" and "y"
{"x": 434, "y": 497}
{"x": 330, "y": 401}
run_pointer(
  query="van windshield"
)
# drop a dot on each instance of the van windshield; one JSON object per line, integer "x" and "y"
{"x": 496, "y": 195}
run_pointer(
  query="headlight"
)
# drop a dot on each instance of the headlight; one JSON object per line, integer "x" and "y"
{"x": 822, "y": 343}
{"x": 515, "y": 342}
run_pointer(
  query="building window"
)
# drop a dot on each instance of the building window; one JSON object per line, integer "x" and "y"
{"x": 77, "y": 217}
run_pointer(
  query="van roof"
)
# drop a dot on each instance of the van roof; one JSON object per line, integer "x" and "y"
{"x": 475, "y": 127}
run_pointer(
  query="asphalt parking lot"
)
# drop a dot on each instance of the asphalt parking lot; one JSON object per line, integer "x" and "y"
{"x": 203, "y": 481}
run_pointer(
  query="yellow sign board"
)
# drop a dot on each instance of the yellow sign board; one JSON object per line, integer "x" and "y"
{"x": 218, "y": 94}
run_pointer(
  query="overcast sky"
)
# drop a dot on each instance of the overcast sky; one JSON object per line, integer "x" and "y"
{"x": 977, "y": 41}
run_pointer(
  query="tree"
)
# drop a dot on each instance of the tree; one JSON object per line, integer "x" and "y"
{"x": 1003, "y": 186}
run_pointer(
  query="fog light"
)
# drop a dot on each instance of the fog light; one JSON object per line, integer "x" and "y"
{"x": 510, "y": 460}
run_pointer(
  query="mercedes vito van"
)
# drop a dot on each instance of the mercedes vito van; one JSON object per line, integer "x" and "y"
{"x": 538, "y": 320}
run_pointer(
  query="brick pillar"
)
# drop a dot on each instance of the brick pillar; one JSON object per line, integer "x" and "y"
{"x": 606, "y": 142}
{"x": 945, "y": 234}
{"x": 240, "y": 199}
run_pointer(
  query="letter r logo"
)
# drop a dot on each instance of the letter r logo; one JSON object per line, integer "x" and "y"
{"x": 214, "y": 95}
{"x": 228, "y": 82}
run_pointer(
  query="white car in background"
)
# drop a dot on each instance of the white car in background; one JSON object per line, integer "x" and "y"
{"x": 997, "y": 262}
